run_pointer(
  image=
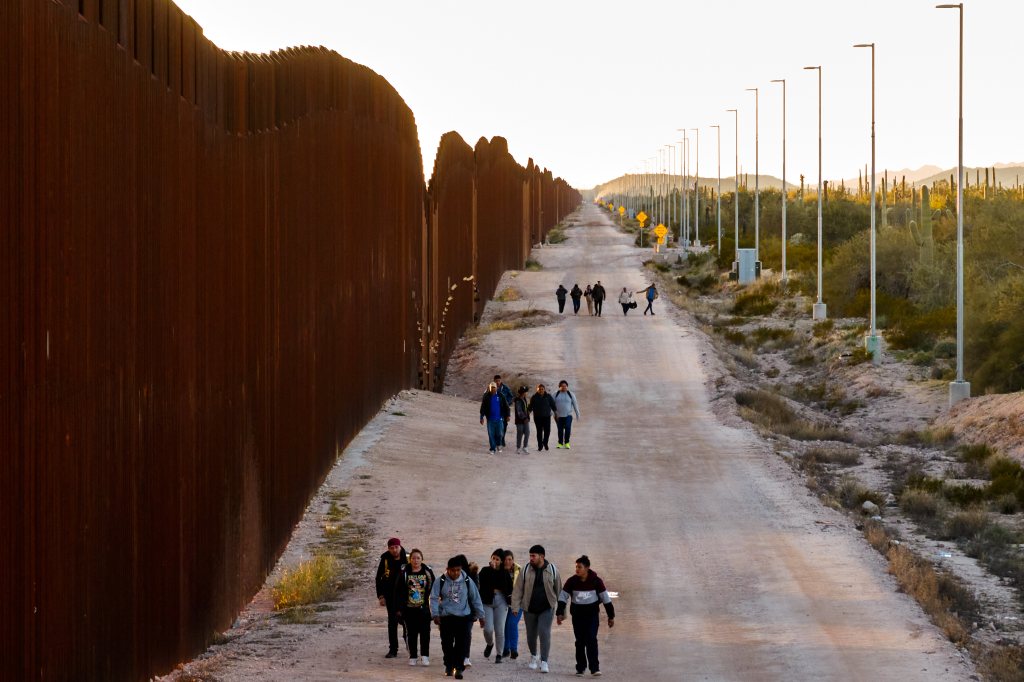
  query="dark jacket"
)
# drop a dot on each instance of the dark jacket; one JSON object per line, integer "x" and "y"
{"x": 585, "y": 596}
{"x": 485, "y": 406}
{"x": 387, "y": 573}
{"x": 522, "y": 410}
{"x": 506, "y": 393}
{"x": 560, "y": 292}
{"x": 419, "y": 596}
{"x": 542, "y": 405}
{"x": 576, "y": 292}
{"x": 495, "y": 579}
{"x": 599, "y": 293}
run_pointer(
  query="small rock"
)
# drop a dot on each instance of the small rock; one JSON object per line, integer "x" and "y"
{"x": 870, "y": 508}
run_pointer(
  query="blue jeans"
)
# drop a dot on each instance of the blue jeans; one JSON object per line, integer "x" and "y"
{"x": 495, "y": 432}
{"x": 564, "y": 429}
{"x": 512, "y": 631}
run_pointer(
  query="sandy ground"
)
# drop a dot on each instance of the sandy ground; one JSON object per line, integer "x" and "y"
{"x": 725, "y": 566}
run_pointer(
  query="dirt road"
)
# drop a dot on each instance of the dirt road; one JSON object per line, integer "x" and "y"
{"x": 726, "y": 568}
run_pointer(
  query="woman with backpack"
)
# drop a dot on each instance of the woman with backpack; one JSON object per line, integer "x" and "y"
{"x": 565, "y": 406}
{"x": 412, "y": 604}
{"x": 521, "y": 411}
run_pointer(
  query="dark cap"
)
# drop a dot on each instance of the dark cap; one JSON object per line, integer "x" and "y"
{"x": 394, "y": 541}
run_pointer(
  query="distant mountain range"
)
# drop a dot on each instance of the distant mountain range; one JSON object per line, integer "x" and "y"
{"x": 1009, "y": 174}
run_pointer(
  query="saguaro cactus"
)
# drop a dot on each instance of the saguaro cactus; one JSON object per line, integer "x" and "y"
{"x": 922, "y": 232}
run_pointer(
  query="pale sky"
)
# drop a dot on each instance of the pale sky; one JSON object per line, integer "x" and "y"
{"x": 591, "y": 89}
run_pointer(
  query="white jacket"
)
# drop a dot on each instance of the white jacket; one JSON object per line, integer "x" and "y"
{"x": 625, "y": 297}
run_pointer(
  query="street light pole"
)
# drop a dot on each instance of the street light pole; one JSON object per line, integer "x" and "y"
{"x": 873, "y": 342}
{"x": 696, "y": 190}
{"x": 784, "y": 196}
{"x": 757, "y": 175}
{"x": 959, "y": 389}
{"x": 718, "y": 211}
{"x": 736, "y": 195}
{"x": 820, "y": 311}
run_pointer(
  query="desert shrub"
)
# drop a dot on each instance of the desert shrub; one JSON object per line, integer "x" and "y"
{"x": 773, "y": 408}
{"x": 944, "y": 348}
{"x": 533, "y": 265}
{"x": 965, "y": 524}
{"x": 756, "y": 302}
{"x": 920, "y": 504}
{"x": 858, "y": 356}
{"x": 843, "y": 456}
{"x": 822, "y": 329}
{"x": 735, "y": 336}
{"x": 310, "y": 582}
{"x": 557, "y": 235}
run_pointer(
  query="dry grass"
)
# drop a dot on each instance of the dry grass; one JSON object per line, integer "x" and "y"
{"x": 509, "y": 294}
{"x": 772, "y": 412}
{"x": 837, "y": 455}
{"x": 310, "y": 582}
{"x": 533, "y": 265}
{"x": 965, "y": 525}
{"x": 921, "y": 505}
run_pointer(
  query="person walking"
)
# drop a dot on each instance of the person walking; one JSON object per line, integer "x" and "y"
{"x": 586, "y": 592}
{"x": 565, "y": 406}
{"x": 454, "y": 603}
{"x": 560, "y": 293}
{"x": 588, "y": 294}
{"x": 495, "y": 411}
{"x": 542, "y": 406}
{"x": 576, "y": 294}
{"x": 471, "y": 569}
{"x": 388, "y": 571}
{"x": 412, "y": 592}
{"x": 496, "y": 594}
{"x": 505, "y": 393}
{"x": 521, "y": 413}
{"x": 536, "y": 593}
{"x": 599, "y": 295}
{"x": 652, "y": 294}
{"x": 625, "y": 300}
{"x": 512, "y": 620}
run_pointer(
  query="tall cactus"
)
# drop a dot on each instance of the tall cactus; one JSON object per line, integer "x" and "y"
{"x": 922, "y": 232}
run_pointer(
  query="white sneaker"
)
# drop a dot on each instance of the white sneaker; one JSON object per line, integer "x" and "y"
{"x": 534, "y": 661}
{"x": 424, "y": 660}
{"x": 544, "y": 667}
{"x": 412, "y": 661}
{"x": 468, "y": 663}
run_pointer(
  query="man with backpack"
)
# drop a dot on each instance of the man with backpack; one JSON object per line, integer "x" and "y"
{"x": 576, "y": 294}
{"x": 506, "y": 393}
{"x": 454, "y": 604}
{"x": 598, "y": 294}
{"x": 560, "y": 293}
{"x": 652, "y": 295}
{"x": 536, "y": 593}
{"x": 388, "y": 571}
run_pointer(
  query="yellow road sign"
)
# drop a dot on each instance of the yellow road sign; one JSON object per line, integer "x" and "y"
{"x": 661, "y": 231}
{"x": 622, "y": 209}
{"x": 661, "y": 240}
{"x": 642, "y": 217}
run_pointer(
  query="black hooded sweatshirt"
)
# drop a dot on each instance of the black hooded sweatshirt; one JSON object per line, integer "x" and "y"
{"x": 542, "y": 405}
{"x": 387, "y": 573}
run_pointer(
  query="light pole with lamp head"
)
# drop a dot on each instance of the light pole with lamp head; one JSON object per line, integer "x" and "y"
{"x": 757, "y": 176}
{"x": 819, "y": 309}
{"x": 873, "y": 342}
{"x": 736, "y": 195}
{"x": 718, "y": 212}
{"x": 959, "y": 389}
{"x": 696, "y": 191}
{"x": 785, "y": 279}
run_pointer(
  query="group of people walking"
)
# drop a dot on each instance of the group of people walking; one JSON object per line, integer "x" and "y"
{"x": 497, "y": 597}
{"x": 596, "y": 295}
{"x": 498, "y": 406}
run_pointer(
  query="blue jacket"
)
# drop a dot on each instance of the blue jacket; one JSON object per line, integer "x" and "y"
{"x": 455, "y": 597}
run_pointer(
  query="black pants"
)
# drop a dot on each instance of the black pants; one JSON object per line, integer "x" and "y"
{"x": 454, "y": 634}
{"x": 597, "y": 306}
{"x": 564, "y": 425}
{"x": 584, "y": 627}
{"x": 393, "y": 626}
{"x": 575, "y": 305}
{"x": 625, "y": 308}
{"x": 649, "y": 308}
{"x": 543, "y": 425}
{"x": 561, "y": 305}
{"x": 418, "y": 623}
